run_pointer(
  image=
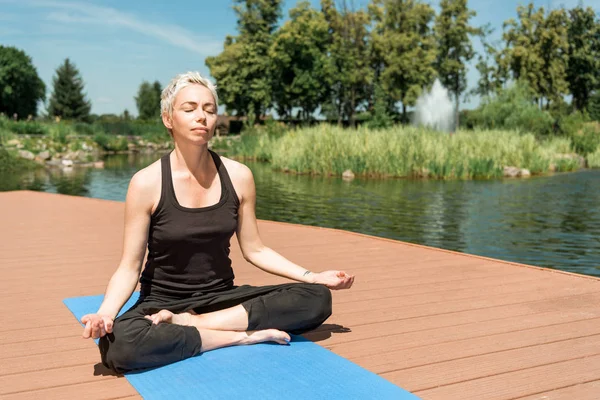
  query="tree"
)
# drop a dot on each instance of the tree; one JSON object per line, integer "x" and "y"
{"x": 493, "y": 74}
{"x": 20, "y": 86}
{"x": 299, "y": 58}
{"x": 68, "y": 100}
{"x": 403, "y": 38}
{"x": 148, "y": 100}
{"x": 348, "y": 60}
{"x": 453, "y": 33}
{"x": 243, "y": 69}
{"x": 584, "y": 55}
{"x": 536, "y": 51}
{"x": 554, "y": 52}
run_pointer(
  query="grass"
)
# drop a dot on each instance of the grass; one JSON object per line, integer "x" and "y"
{"x": 405, "y": 152}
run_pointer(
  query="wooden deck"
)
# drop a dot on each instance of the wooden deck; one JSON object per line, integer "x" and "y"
{"x": 440, "y": 324}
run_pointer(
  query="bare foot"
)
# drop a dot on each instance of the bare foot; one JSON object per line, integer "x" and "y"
{"x": 267, "y": 335}
{"x": 168, "y": 317}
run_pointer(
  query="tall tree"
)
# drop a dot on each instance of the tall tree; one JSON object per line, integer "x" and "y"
{"x": 68, "y": 100}
{"x": 453, "y": 34}
{"x": 491, "y": 76}
{"x": 537, "y": 50}
{"x": 243, "y": 69}
{"x": 348, "y": 61}
{"x": 584, "y": 55}
{"x": 403, "y": 37}
{"x": 299, "y": 58}
{"x": 20, "y": 86}
{"x": 554, "y": 51}
{"x": 148, "y": 100}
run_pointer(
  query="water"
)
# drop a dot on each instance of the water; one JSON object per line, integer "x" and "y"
{"x": 546, "y": 221}
{"x": 434, "y": 109}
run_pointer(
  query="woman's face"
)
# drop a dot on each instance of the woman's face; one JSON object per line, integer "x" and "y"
{"x": 194, "y": 115}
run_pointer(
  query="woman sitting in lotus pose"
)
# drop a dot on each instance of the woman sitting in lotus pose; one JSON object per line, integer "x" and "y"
{"x": 186, "y": 207}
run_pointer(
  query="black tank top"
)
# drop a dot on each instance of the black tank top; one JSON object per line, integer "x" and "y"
{"x": 188, "y": 248}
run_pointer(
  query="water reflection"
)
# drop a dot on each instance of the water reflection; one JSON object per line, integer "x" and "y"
{"x": 549, "y": 221}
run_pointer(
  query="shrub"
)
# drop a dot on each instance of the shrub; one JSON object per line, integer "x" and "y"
{"x": 512, "y": 109}
{"x": 593, "y": 159}
{"x": 27, "y": 127}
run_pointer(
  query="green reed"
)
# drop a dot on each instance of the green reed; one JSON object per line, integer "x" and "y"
{"x": 406, "y": 152}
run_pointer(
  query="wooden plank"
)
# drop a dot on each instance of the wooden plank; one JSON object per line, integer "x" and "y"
{"x": 52, "y": 360}
{"x": 520, "y": 383}
{"x": 49, "y": 378}
{"x": 469, "y": 368}
{"x": 100, "y": 390}
{"x": 582, "y": 391}
{"x": 453, "y": 350}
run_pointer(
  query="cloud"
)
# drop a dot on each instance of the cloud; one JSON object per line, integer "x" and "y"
{"x": 87, "y": 14}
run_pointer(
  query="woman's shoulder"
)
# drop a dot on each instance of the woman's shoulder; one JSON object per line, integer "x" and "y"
{"x": 145, "y": 185}
{"x": 236, "y": 170}
{"x": 147, "y": 177}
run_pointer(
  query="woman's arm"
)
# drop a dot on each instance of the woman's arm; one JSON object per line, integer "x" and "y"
{"x": 268, "y": 260}
{"x": 138, "y": 205}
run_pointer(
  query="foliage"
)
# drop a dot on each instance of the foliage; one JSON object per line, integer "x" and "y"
{"x": 10, "y": 162}
{"x": 243, "y": 69}
{"x": 593, "y": 159}
{"x": 68, "y": 100}
{"x": 593, "y": 106}
{"x": 26, "y": 127}
{"x": 513, "y": 109}
{"x": 406, "y": 152}
{"x": 348, "y": 60}
{"x": 111, "y": 142}
{"x": 381, "y": 117}
{"x": 148, "y": 101}
{"x": 20, "y": 85}
{"x": 584, "y": 55}
{"x": 454, "y": 48}
{"x": 298, "y": 52}
{"x": 585, "y": 137}
{"x": 537, "y": 51}
{"x": 405, "y": 47}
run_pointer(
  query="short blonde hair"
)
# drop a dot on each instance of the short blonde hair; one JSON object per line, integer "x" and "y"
{"x": 167, "y": 97}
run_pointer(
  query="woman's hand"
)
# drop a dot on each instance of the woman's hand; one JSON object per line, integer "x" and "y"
{"x": 334, "y": 279}
{"x": 96, "y": 325}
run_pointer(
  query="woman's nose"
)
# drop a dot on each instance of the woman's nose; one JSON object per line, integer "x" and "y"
{"x": 200, "y": 115}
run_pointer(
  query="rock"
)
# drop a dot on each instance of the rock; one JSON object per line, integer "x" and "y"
{"x": 348, "y": 175}
{"x": 131, "y": 147}
{"x": 524, "y": 173}
{"x": 13, "y": 143}
{"x": 67, "y": 163}
{"x": 86, "y": 147}
{"x": 26, "y": 154}
{"x": 44, "y": 155}
{"x": 99, "y": 164}
{"x": 511, "y": 172}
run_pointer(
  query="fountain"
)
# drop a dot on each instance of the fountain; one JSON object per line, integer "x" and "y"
{"x": 434, "y": 109}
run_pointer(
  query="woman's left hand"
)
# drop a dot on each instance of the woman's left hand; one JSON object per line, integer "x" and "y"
{"x": 334, "y": 279}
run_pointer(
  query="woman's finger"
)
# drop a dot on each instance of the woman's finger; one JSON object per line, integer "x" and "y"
{"x": 109, "y": 325}
{"x": 87, "y": 330}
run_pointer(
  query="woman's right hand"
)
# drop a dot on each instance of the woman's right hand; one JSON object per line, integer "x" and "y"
{"x": 96, "y": 325}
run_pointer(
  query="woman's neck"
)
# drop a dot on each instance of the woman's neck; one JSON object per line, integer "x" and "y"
{"x": 195, "y": 159}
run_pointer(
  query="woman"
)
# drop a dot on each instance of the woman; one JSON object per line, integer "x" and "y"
{"x": 185, "y": 207}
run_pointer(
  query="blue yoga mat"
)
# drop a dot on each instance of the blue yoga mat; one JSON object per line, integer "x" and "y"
{"x": 302, "y": 370}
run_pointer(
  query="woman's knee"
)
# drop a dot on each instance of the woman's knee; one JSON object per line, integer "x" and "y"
{"x": 117, "y": 350}
{"x": 321, "y": 302}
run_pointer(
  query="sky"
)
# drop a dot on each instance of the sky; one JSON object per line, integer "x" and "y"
{"x": 117, "y": 44}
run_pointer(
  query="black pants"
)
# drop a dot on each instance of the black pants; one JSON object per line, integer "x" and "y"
{"x": 136, "y": 343}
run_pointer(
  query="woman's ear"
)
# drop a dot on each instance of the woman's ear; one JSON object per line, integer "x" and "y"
{"x": 167, "y": 121}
